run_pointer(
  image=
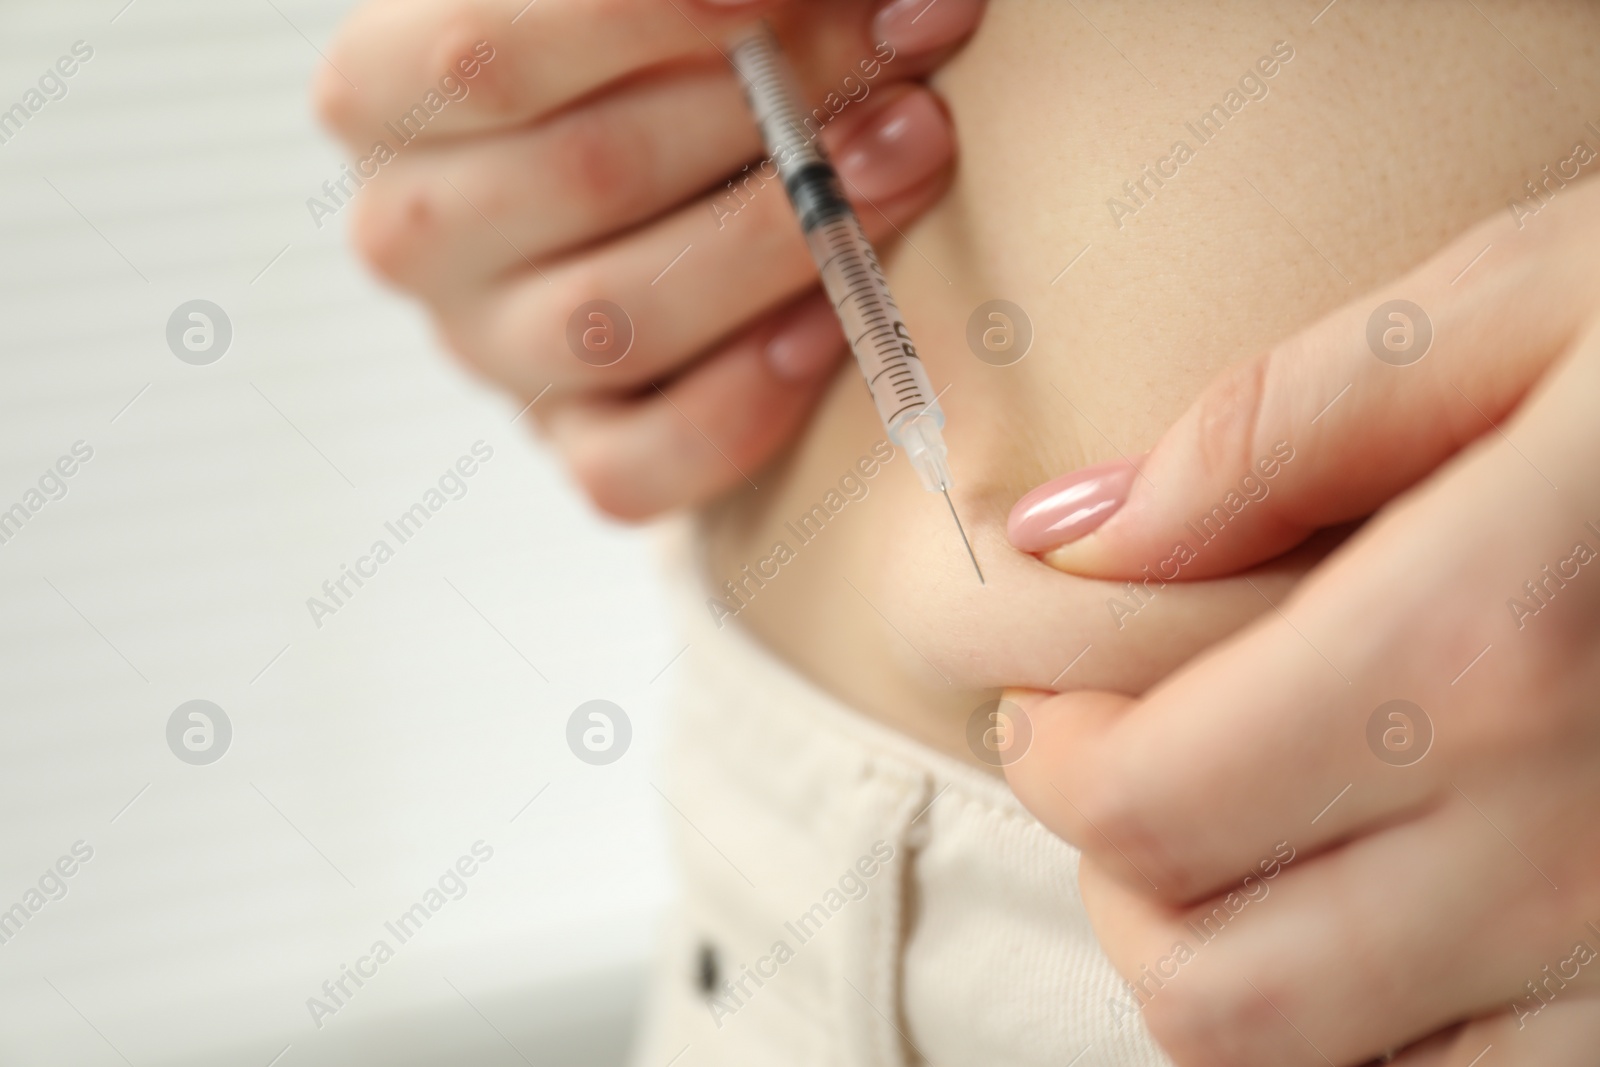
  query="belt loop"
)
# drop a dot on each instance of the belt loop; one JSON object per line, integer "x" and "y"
{"x": 868, "y": 996}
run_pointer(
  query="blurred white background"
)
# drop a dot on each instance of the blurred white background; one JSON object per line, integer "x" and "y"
{"x": 367, "y": 755}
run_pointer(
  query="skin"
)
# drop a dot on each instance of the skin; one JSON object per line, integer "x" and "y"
{"x": 1393, "y": 130}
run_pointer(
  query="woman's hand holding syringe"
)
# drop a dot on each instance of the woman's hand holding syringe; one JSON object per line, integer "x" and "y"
{"x": 585, "y": 221}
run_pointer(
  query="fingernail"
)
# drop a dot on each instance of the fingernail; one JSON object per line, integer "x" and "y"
{"x": 808, "y": 343}
{"x": 1072, "y": 506}
{"x": 904, "y": 144}
{"x": 923, "y": 25}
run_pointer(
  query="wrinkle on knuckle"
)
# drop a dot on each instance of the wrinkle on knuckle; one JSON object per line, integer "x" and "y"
{"x": 497, "y": 95}
{"x": 599, "y": 163}
{"x": 528, "y": 332}
{"x": 1230, "y": 416}
{"x": 1118, "y": 829}
{"x": 491, "y": 84}
{"x": 393, "y": 230}
{"x": 1200, "y": 1023}
{"x": 605, "y": 476}
{"x": 577, "y": 284}
{"x": 551, "y": 307}
{"x": 487, "y": 198}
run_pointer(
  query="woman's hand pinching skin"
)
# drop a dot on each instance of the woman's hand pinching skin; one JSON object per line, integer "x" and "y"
{"x": 525, "y": 161}
{"x": 1417, "y": 728}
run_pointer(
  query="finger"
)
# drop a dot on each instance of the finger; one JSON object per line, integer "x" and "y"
{"x": 1328, "y": 959}
{"x": 683, "y": 282}
{"x": 1563, "y": 1033}
{"x": 473, "y": 208}
{"x": 920, "y": 27}
{"x": 452, "y": 219}
{"x": 406, "y": 69}
{"x": 1433, "y": 1051}
{"x": 1184, "y": 792}
{"x": 710, "y": 430}
{"x": 1326, "y": 427}
{"x": 1282, "y": 732}
{"x": 413, "y": 70}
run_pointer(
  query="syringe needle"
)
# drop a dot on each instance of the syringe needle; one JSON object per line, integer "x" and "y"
{"x": 963, "y": 532}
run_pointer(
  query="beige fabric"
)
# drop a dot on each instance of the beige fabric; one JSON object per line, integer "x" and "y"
{"x": 969, "y": 948}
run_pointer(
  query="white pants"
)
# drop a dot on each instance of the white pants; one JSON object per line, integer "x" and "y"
{"x": 854, "y": 898}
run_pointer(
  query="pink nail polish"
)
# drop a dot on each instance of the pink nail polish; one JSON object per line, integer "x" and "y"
{"x": 1069, "y": 507}
{"x": 905, "y": 144}
{"x": 914, "y": 26}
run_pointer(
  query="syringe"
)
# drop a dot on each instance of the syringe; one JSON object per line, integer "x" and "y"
{"x": 849, "y": 267}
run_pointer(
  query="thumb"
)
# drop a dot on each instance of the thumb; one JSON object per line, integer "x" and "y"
{"x": 1330, "y": 425}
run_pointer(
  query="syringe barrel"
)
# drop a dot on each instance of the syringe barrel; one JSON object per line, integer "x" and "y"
{"x": 872, "y": 323}
{"x": 850, "y": 271}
